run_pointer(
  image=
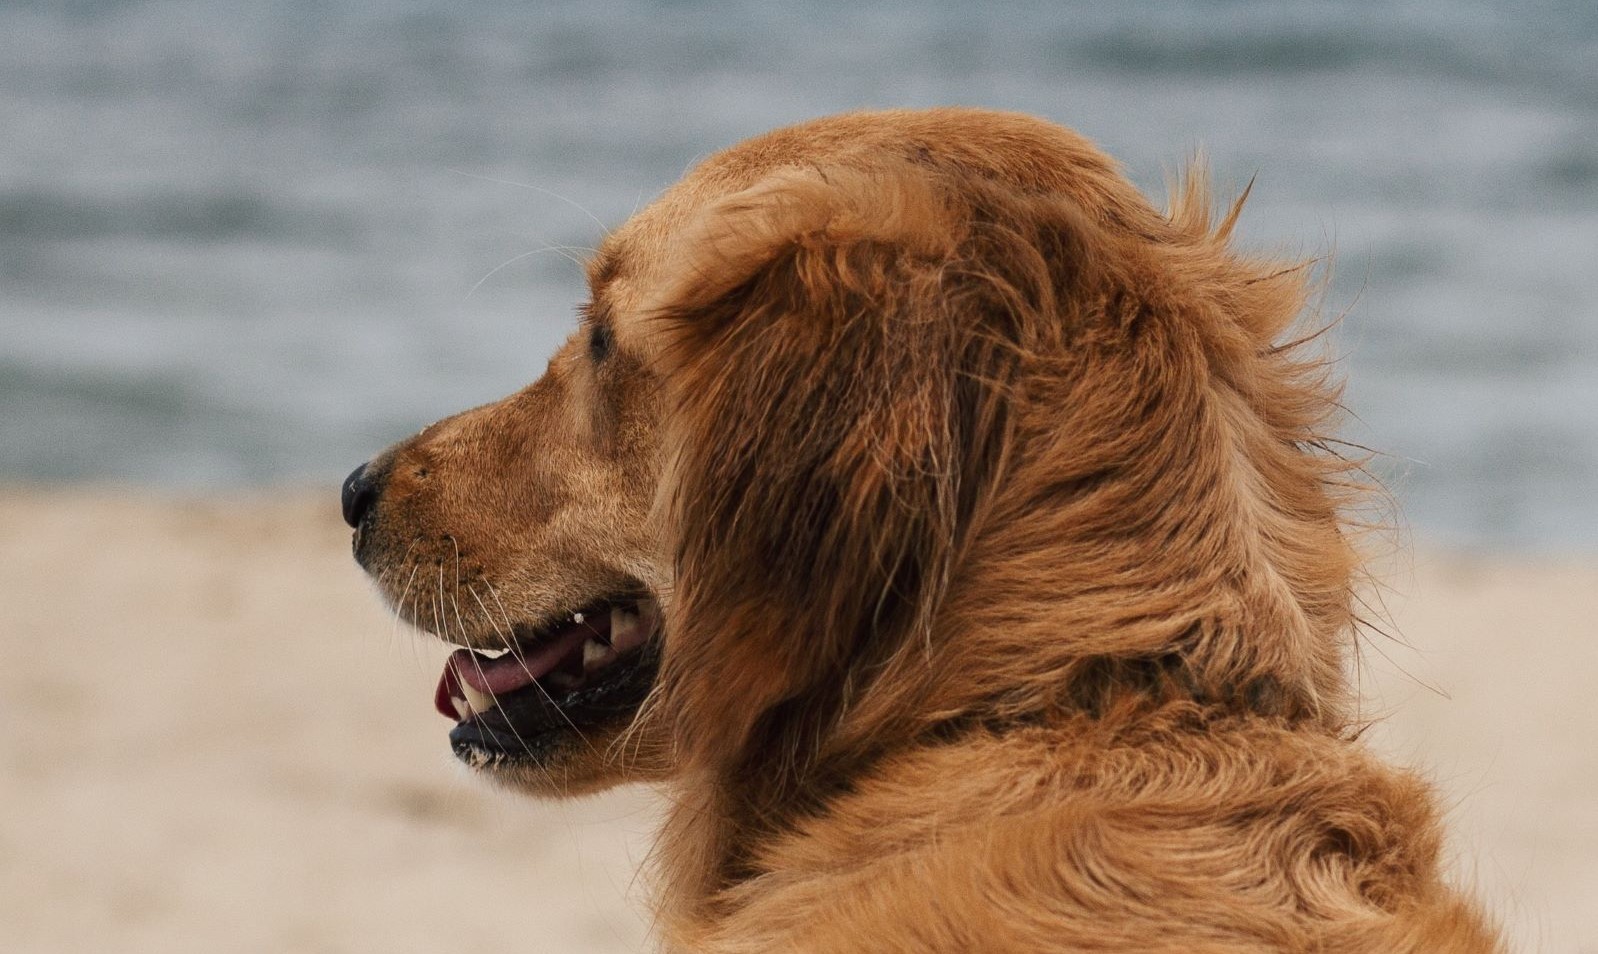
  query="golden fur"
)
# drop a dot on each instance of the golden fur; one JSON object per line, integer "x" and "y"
{"x": 1006, "y": 590}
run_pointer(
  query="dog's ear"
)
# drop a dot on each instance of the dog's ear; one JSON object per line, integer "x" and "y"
{"x": 831, "y": 429}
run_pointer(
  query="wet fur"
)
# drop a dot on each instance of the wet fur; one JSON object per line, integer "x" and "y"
{"x": 1007, "y": 586}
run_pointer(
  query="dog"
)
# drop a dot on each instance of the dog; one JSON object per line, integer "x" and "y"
{"x": 953, "y": 536}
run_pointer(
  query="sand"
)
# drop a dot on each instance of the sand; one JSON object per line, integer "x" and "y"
{"x": 213, "y": 738}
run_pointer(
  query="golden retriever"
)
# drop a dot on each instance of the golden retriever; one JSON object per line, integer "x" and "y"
{"x": 948, "y": 530}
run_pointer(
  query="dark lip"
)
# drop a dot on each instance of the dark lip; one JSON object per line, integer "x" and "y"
{"x": 528, "y": 726}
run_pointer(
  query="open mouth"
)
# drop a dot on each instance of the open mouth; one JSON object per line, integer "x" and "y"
{"x": 591, "y": 668}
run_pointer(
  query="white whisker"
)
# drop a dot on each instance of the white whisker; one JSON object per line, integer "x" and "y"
{"x": 603, "y": 229}
{"x": 564, "y": 250}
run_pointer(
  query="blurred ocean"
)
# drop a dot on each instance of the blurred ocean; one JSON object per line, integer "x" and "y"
{"x": 247, "y": 242}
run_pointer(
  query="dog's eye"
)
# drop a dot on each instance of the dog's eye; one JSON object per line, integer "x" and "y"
{"x": 599, "y": 342}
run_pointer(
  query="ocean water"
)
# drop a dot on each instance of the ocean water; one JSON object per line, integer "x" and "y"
{"x": 244, "y": 243}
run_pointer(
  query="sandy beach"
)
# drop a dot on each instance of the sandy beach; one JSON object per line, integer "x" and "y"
{"x": 213, "y": 738}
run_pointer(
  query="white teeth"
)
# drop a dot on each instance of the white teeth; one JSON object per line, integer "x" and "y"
{"x": 475, "y": 701}
{"x": 463, "y": 711}
{"x": 626, "y": 629}
{"x": 596, "y": 654}
{"x": 577, "y": 617}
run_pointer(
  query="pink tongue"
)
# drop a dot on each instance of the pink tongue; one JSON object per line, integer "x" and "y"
{"x": 513, "y": 671}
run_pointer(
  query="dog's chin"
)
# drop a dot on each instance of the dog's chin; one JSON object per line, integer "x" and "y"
{"x": 608, "y": 758}
{"x": 557, "y": 712}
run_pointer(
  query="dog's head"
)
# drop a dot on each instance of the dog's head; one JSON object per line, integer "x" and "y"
{"x": 874, "y": 428}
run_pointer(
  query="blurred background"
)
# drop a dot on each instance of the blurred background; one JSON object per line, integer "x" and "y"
{"x": 245, "y": 245}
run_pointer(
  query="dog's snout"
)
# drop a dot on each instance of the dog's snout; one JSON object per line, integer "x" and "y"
{"x": 360, "y": 491}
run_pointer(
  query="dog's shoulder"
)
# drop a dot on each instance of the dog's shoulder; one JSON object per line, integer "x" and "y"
{"x": 1174, "y": 832}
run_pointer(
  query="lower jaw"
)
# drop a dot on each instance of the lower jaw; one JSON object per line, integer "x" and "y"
{"x": 530, "y": 728}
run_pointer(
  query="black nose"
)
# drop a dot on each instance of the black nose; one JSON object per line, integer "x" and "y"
{"x": 359, "y": 493}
